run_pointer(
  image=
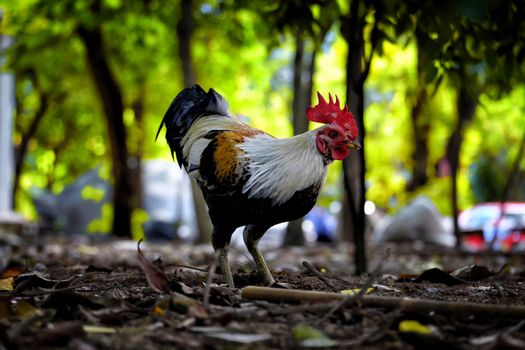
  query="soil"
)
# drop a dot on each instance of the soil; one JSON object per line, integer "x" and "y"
{"x": 75, "y": 294}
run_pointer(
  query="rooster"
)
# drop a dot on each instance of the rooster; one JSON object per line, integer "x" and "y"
{"x": 248, "y": 177}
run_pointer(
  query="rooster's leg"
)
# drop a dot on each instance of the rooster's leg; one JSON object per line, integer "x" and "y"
{"x": 252, "y": 234}
{"x": 221, "y": 243}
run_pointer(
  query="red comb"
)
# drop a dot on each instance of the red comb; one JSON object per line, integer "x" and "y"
{"x": 331, "y": 113}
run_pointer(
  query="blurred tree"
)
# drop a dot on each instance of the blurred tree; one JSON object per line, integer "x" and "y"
{"x": 42, "y": 90}
{"x": 185, "y": 28}
{"x": 420, "y": 119}
{"x": 410, "y": 116}
{"x": 466, "y": 41}
{"x": 443, "y": 41}
{"x": 303, "y": 73}
{"x": 302, "y": 95}
{"x": 45, "y": 98}
{"x": 466, "y": 105}
{"x": 111, "y": 98}
{"x": 358, "y": 65}
{"x": 487, "y": 178}
{"x": 49, "y": 41}
{"x": 138, "y": 41}
{"x": 461, "y": 43}
{"x": 138, "y": 108}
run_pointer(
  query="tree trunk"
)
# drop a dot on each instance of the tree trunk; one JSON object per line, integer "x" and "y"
{"x": 466, "y": 105}
{"x": 21, "y": 150}
{"x": 294, "y": 231}
{"x": 420, "y": 128}
{"x": 136, "y": 158}
{"x": 353, "y": 215}
{"x": 185, "y": 29}
{"x": 302, "y": 96}
{"x": 111, "y": 98}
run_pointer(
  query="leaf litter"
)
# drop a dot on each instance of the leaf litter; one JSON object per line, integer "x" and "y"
{"x": 114, "y": 296}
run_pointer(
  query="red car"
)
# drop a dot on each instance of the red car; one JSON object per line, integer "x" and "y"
{"x": 482, "y": 222}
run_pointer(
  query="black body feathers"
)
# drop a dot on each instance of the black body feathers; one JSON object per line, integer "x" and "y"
{"x": 187, "y": 107}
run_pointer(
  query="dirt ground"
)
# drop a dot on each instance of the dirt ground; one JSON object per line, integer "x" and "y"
{"x": 75, "y": 294}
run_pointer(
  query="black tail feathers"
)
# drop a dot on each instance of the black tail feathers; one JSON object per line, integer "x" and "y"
{"x": 188, "y": 106}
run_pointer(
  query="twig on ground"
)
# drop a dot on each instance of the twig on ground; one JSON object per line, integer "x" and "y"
{"x": 318, "y": 274}
{"x": 23, "y": 284}
{"x": 333, "y": 310}
{"x": 377, "y": 333}
{"x": 337, "y": 278}
{"x": 373, "y": 276}
{"x": 311, "y": 308}
{"x": 187, "y": 267}
{"x": 357, "y": 298}
{"x": 466, "y": 326}
{"x": 43, "y": 291}
{"x": 209, "y": 279}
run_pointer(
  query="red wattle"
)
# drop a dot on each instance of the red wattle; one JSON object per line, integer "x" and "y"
{"x": 340, "y": 153}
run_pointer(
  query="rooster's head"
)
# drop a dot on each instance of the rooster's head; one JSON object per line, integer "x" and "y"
{"x": 340, "y": 134}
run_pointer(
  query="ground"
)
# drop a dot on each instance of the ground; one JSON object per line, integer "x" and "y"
{"x": 75, "y": 294}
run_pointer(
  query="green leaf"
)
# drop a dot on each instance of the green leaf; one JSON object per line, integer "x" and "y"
{"x": 413, "y": 326}
{"x": 309, "y": 336}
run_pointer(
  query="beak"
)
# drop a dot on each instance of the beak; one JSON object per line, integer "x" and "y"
{"x": 354, "y": 144}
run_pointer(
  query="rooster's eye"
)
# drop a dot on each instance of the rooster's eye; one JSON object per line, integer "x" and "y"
{"x": 333, "y": 134}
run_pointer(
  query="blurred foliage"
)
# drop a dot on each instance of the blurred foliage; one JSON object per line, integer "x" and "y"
{"x": 245, "y": 49}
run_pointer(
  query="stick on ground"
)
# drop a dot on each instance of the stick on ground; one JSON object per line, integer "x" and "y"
{"x": 318, "y": 274}
{"x": 405, "y": 304}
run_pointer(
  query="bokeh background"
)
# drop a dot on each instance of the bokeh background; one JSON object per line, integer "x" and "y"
{"x": 437, "y": 88}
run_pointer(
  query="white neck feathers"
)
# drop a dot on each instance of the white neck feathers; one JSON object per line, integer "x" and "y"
{"x": 281, "y": 167}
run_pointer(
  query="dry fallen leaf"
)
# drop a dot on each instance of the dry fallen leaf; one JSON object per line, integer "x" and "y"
{"x": 184, "y": 304}
{"x": 14, "y": 270}
{"x": 6, "y": 284}
{"x": 472, "y": 273}
{"x": 24, "y": 310}
{"x": 436, "y": 275}
{"x": 155, "y": 276}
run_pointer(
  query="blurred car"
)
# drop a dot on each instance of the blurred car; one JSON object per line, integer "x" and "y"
{"x": 497, "y": 225}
